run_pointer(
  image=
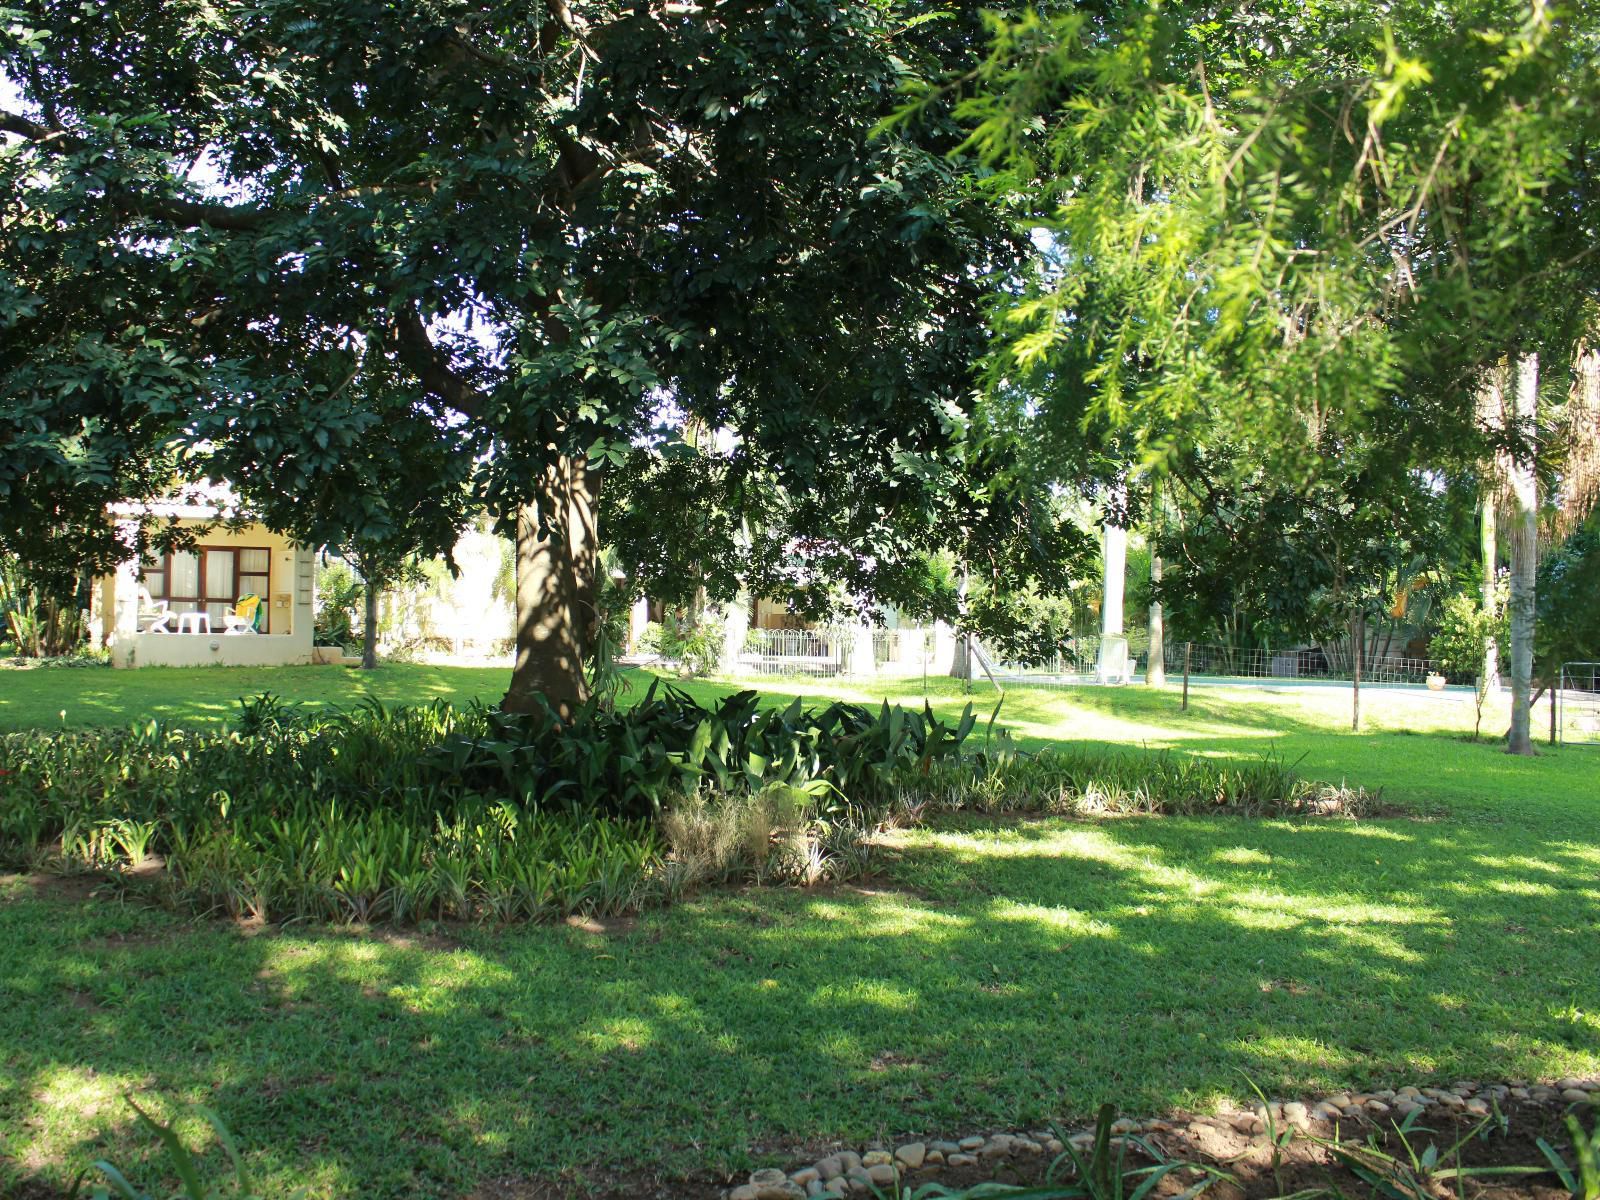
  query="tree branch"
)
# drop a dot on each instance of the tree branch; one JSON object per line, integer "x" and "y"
{"x": 417, "y": 351}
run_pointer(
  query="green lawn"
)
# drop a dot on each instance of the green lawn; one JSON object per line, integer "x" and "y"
{"x": 998, "y": 974}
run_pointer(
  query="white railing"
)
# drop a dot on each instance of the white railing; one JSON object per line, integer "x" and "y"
{"x": 792, "y": 652}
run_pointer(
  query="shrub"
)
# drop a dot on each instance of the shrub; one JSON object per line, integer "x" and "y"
{"x": 1090, "y": 782}
{"x": 426, "y": 812}
{"x": 420, "y": 812}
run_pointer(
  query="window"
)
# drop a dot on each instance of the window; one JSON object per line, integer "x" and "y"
{"x": 209, "y": 579}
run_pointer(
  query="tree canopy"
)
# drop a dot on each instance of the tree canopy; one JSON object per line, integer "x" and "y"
{"x": 541, "y": 224}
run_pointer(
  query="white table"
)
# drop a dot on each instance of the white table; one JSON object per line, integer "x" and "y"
{"x": 194, "y": 622}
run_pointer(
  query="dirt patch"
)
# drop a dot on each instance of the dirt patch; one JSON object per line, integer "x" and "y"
{"x": 47, "y": 885}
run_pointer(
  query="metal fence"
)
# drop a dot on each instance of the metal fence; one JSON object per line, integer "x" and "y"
{"x": 1304, "y": 663}
{"x": 1578, "y": 704}
{"x": 818, "y": 652}
{"x": 1079, "y": 662}
{"x": 826, "y": 652}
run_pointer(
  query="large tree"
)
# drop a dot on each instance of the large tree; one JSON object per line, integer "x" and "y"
{"x": 551, "y": 222}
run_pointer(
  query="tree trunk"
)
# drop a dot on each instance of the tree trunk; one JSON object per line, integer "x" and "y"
{"x": 557, "y": 589}
{"x": 1358, "y": 635}
{"x": 961, "y": 660}
{"x": 1155, "y": 672}
{"x": 1492, "y": 416}
{"x": 1113, "y": 581}
{"x": 369, "y": 633}
{"x": 1524, "y": 555}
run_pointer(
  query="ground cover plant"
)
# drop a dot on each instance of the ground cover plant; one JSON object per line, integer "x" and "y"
{"x": 997, "y": 971}
{"x": 422, "y": 812}
{"x": 432, "y": 811}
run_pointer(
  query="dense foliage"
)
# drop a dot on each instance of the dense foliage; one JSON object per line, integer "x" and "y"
{"x": 363, "y": 260}
{"x": 409, "y": 814}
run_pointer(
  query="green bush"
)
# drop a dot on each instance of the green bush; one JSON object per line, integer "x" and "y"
{"x": 424, "y": 812}
{"x": 418, "y": 813}
{"x": 1090, "y": 782}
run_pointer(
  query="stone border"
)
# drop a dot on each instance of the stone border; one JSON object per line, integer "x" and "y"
{"x": 846, "y": 1172}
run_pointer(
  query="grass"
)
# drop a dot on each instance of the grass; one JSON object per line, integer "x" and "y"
{"x": 999, "y": 974}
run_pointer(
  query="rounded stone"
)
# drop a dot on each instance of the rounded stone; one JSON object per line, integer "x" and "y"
{"x": 961, "y": 1160}
{"x": 1340, "y": 1100}
{"x": 1570, "y": 1084}
{"x": 998, "y": 1146}
{"x": 970, "y": 1143}
{"x": 935, "y": 1158}
{"x": 1124, "y": 1125}
{"x": 1384, "y": 1094}
{"x": 1353, "y": 1111}
{"x": 1027, "y": 1146}
{"x": 806, "y": 1176}
{"x": 1405, "y": 1093}
{"x": 848, "y": 1159}
{"x": 815, "y": 1188}
{"x": 1574, "y": 1095}
{"x": 830, "y": 1167}
{"x": 1478, "y": 1107}
{"x": 912, "y": 1155}
{"x": 1377, "y": 1108}
{"x": 1053, "y": 1146}
{"x": 768, "y": 1177}
{"x": 1519, "y": 1093}
{"x": 836, "y": 1186}
{"x": 881, "y": 1173}
{"x": 742, "y": 1192}
{"x": 945, "y": 1147}
{"x": 876, "y": 1158}
{"x": 1294, "y": 1113}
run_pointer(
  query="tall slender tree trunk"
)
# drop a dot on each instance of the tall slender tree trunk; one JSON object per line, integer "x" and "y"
{"x": 1492, "y": 416}
{"x": 1113, "y": 582}
{"x": 557, "y": 589}
{"x": 1358, "y": 636}
{"x": 369, "y": 632}
{"x": 1524, "y": 554}
{"x": 1155, "y": 672}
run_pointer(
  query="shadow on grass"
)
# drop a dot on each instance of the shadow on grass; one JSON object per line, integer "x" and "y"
{"x": 1010, "y": 973}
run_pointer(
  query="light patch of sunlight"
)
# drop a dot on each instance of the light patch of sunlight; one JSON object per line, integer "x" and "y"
{"x": 79, "y": 1092}
{"x": 1367, "y": 939}
{"x": 1446, "y": 1000}
{"x": 1067, "y": 920}
{"x": 1064, "y": 842}
{"x": 1380, "y": 833}
{"x": 672, "y": 1004}
{"x": 1354, "y": 913}
{"x": 1515, "y": 887}
{"x": 878, "y": 918}
{"x": 1288, "y": 1053}
{"x": 1242, "y": 856}
{"x": 877, "y": 992}
{"x": 619, "y": 1033}
{"x": 1517, "y": 862}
